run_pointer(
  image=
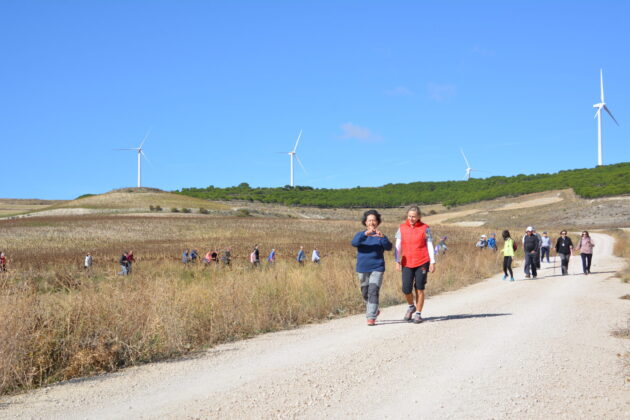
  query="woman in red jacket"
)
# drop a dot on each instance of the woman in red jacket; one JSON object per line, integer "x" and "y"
{"x": 415, "y": 257}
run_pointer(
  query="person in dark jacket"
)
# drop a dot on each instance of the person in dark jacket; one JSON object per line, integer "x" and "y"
{"x": 371, "y": 244}
{"x": 564, "y": 248}
{"x": 531, "y": 244}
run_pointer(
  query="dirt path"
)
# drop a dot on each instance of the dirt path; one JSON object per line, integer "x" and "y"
{"x": 529, "y": 349}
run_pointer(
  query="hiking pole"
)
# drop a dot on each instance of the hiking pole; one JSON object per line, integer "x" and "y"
{"x": 554, "y": 264}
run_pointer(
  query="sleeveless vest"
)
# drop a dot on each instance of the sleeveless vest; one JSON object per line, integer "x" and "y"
{"x": 414, "y": 244}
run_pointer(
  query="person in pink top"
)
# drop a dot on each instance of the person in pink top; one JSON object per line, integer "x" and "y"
{"x": 585, "y": 246}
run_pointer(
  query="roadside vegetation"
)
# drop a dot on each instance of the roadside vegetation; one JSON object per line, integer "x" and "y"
{"x": 602, "y": 181}
{"x": 622, "y": 249}
{"x": 58, "y": 321}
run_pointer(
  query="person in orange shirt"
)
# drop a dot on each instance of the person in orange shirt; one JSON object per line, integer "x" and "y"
{"x": 415, "y": 257}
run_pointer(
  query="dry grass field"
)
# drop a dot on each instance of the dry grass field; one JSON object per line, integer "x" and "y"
{"x": 10, "y": 206}
{"x": 58, "y": 321}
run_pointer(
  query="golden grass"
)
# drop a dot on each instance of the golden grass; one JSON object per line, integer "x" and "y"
{"x": 10, "y": 206}
{"x": 59, "y": 322}
{"x": 622, "y": 249}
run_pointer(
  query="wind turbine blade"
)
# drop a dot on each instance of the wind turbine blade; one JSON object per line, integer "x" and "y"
{"x": 597, "y": 112}
{"x": 611, "y": 115}
{"x": 467, "y": 164}
{"x": 146, "y": 136}
{"x": 300, "y": 162}
{"x": 601, "y": 83}
{"x": 145, "y": 156}
{"x": 126, "y": 149}
{"x": 298, "y": 140}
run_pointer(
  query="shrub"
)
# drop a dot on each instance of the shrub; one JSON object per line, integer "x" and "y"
{"x": 203, "y": 210}
{"x": 243, "y": 213}
{"x": 174, "y": 210}
{"x": 185, "y": 210}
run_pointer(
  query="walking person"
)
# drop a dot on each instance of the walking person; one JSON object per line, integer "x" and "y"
{"x": 538, "y": 259}
{"x": 315, "y": 257}
{"x": 371, "y": 244}
{"x": 492, "y": 242}
{"x": 130, "y": 261}
{"x": 585, "y": 247}
{"x": 301, "y": 256}
{"x": 87, "y": 263}
{"x": 226, "y": 258}
{"x": 185, "y": 257}
{"x": 564, "y": 248}
{"x": 272, "y": 256}
{"x": 3, "y": 262}
{"x": 545, "y": 246}
{"x": 415, "y": 257}
{"x": 123, "y": 264}
{"x": 530, "y": 247}
{"x": 509, "y": 247}
{"x": 254, "y": 257}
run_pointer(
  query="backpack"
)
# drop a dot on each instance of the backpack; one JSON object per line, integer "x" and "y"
{"x": 514, "y": 245}
{"x": 123, "y": 259}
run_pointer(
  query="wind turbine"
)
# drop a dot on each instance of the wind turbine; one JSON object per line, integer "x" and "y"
{"x": 293, "y": 154}
{"x": 598, "y": 115}
{"x": 468, "y": 168}
{"x": 140, "y": 153}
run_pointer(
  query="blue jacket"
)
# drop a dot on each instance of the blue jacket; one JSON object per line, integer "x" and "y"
{"x": 370, "y": 250}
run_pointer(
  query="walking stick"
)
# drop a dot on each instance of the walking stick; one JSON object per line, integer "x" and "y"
{"x": 554, "y": 264}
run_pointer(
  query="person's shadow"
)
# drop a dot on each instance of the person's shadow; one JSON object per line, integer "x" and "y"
{"x": 442, "y": 318}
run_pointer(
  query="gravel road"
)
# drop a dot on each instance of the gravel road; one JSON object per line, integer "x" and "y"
{"x": 529, "y": 349}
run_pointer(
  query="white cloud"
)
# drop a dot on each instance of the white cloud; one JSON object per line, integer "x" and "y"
{"x": 352, "y": 131}
{"x": 399, "y": 91}
{"x": 441, "y": 93}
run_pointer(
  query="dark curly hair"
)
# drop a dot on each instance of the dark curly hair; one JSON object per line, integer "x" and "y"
{"x": 371, "y": 212}
{"x": 506, "y": 234}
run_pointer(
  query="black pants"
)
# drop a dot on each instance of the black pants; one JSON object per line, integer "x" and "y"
{"x": 544, "y": 251}
{"x": 564, "y": 261}
{"x": 507, "y": 266}
{"x": 586, "y": 262}
{"x": 530, "y": 263}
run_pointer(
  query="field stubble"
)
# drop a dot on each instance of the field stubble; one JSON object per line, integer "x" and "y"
{"x": 58, "y": 321}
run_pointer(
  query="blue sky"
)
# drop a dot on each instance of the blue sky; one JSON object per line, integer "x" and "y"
{"x": 384, "y": 92}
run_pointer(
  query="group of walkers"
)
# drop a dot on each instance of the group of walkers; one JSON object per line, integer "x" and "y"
{"x": 254, "y": 257}
{"x": 3, "y": 262}
{"x": 126, "y": 261}
{"x": 414, "y": 256}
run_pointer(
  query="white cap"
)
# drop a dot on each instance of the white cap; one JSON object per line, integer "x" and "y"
{"x": 529, "y": 229}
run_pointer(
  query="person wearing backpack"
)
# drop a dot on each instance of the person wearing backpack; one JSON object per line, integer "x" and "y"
{"x": 509, "y": 248}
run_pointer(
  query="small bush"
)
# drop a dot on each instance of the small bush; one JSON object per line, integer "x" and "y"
{"x": 157, "y": 208}
{"x": 432, "y": 212}
{"x": 243, "y": 213}
{"x": 151, "y": 208}
{"x": 174, "y": 210}
{"x": 185, "y": 210}
{"x": 203, "y": 210}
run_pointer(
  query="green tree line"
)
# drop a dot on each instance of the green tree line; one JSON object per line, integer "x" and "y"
{"x": 601, "y": 181}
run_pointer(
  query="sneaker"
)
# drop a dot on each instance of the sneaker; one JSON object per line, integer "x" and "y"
{"x": 371, "y": 322}
{"x": 504, "y": 276}
{"x": 511, "y": 278}
{"x": 417, "y": 319}
{"x": 527, "y": 276}
{"x": 409, "y": 313}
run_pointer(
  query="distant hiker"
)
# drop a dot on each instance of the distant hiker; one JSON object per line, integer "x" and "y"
{"x": 87, "y": 263}
{"x": 3, "y": 262}
{"x": 207, "y": 259}
{"x": 441, "y": 247}
{"x": 530, "y": 247}
{"x": 185, "y": 257}
{"x": 508, "y": 254}
{"x": 301, "y": 256}
{"x": 585, "y": 247}
{"x": 123, "y": 264}
{"x": 254, "y": 256}
{"x": 415, "y": 257}
{"x": 315, "y": 257}
{"x": 214, "y": 257}
{"x": 538, "y": 252}
{"x": 193, "y": 256}
{"x": 226, "y": 258}
{"x": 492, "y": 242}
{"x": 564, "y": 248}
{"x": 545, "y": 246}
{"x": 130, "y": 261}
{"x": 272, "y": 256}
{"x": 482, "y": 243}
{"x": 371, "y": 244}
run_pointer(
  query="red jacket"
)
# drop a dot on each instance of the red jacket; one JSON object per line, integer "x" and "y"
{"x": 414, "y": 244}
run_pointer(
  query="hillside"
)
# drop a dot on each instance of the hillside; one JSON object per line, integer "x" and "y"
{"x": 602, "y": 181}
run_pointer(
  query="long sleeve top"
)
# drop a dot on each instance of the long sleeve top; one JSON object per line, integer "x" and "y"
{"x": 370, "y": 250}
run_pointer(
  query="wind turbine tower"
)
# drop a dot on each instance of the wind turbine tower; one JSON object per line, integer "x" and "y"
{"x": 598, "y": 115}
{"x": 140, "y": 154}
{"x": 468, "y": 168}
{"x": 293, "y": 154}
